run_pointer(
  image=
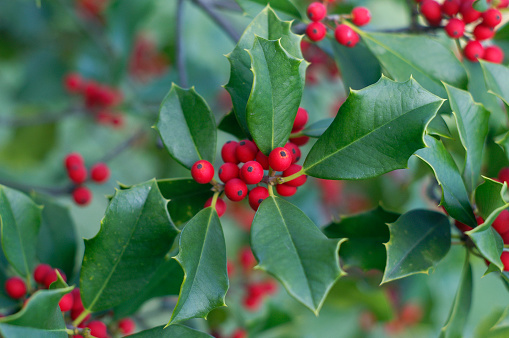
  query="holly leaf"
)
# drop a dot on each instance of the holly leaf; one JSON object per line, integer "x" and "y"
{"x": 366, "y": 233}
{"x": 253, "y": 7}
{"x": 187, "y": 126}
{"x": 501, "y": 327}
{"x": 375, "y": 131}
{"x": 437, "y": 126}
{"x": 496, "y": 76}
{"x": 20, "y": 219}
{"x": 419, "y": 240}
{"x": 230, "y": 125}
{"x": 472, "y": 121}
{"x": 136, "y": 233}
{"x": 288, "y": 245}
{"x": 481, "y": 5}
{"x": 202, "y": 255}
{"x": 454, "y": 193}
{"x": 318, "y": 128}
{"x": 503, "y": 141}
{"x": 173, "y": 331}
{"x": 278, "y": 83}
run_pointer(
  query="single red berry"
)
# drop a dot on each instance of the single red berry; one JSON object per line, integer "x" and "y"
{"x": 228, "y": 171}
{"x": 15, "y": 287}
{"x": 82, "y": 195}
{"x": 455, "y": 28}
{"x": 246, "y": 258}
{"x": 503, "y": 4}
{"x": 300, "y": 141}
{"x": 126, "y": 326}
{"x": 228, "y": 152}
{"x": 50, "y": 277}
{"x": 220, "y": 206}
{"x": 77, "y": 175}
{"x": 431, "y": 11}
{"x": 100, "y": 172}
{"x": 40, "y": 272}
{"x": 501, "y": 223}
{"x": 411, "y": 314}
{"x": 117, "y": 120}
{"x": 505, "y": 237}
{"x": 235, "y": 189}
{"x": 451, "y": 7}
{"x": 346, "y": 36}
{"x": 316, "y": 31}
{"x": 316, "y": 11}
{"x": 246, "y": 151}
{"x": 239, "y": 333}
{"x": 263, "y": 160}
{"x": 269, "y": 287}
{"x": 74, "y": 160}
{"x": 202, "y": 171}
{"x": 491, "y": 17}
{"x": 361, "y": 16}
{"x": 462, "y": 226}
{"x": 66, "y": 302}
{"x": 296, "y": 182}
{"x": 482, "y": 32}
{"x": 495, "y": 54}
{"x": 473, "y": 50}
{"x": 256, "y": 197}
{"x": 252, "y": 303}
{"x": 294, "y": 150}
{"x": 77, "y": 303}
{"x": 76, "y": 313}
{"x": 73, "y": 83}
{"x": 230, "y": 268}
{"x": 286, "y": 190}
{"x": 505, "y": 260}
{"x": 503, "y": 175}
{"x": 468, "y": 12}
{"x": 98, "y": 329}
{"x": 280, "y": 159}
{"x": 300, "y": 120}
{"x": 252, "y": 172}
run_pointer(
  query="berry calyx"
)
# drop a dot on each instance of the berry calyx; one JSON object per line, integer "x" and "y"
{"x": 316, "y": 11}
{"x": 300, "y": 141}
{"x": 346, "y": 36}
{"x": 66, "y": 302}
{"x": 15, "y": 287}
{"x": 316, "y": 31}
{"x": 74, "y": 160}
{"x": 280, "y": 159}
{"x": 451, "y": 7}
{"x": 300, "y": 120}
{"x": 98, "y": 329}
{"x": 256, "y": 197}
{"x": 294, "y": 150}
{"x": 296, "y": 182}
{"x": 263, "y": 160}
{"x": 252, "y": 172}
{"x": 246, "y": 151}
{"x": 501, "y": 223}
{"x": 505, "y": 260}
{"x": 77, "y": 175}
{"x": 235, "y": 189}
{"x": 286, "y": 190}
{"x": 228, "y": 171}
{"x": 494, "y": 54}
{"x": 473, "y": 50}
{"x": 482, "y": 32}
{"x": 491, "y": 17}
{"x": 202, "y": 171}
{"x": 361, "y": 16}
{"x": 100, "y": 172}
{"x": 40, "y": 272}
{"x": 455, "y": 28}
{"x": 228, "y": 152}
{"x": 432, "y": 12}
{"x": 126, "y": 326}
{"x": 82, "y": 195}
{"x": 220, "y": 206}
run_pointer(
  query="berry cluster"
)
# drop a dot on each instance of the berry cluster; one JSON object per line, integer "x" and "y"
{"x": 321, "y": 64}
{"x": 343, "y": 33}
{"x": 91, "y": 9}
{"x": 145, "y": 61}
{"x": 482, "y": 25}
{"x": 101, "y": 100}
{"x": 78, "y": 174}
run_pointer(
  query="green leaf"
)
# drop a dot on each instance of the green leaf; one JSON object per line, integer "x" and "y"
{"x": 202, "y": 255}
{"x": 503, "y": 141}
{"x": 366, "y": 232}
{"x": 501, "y": 328}
{"x": 187, "y": 127}
{"x": 289, "y": 246}
{"x": 173, "y": 331}
{"x": 318, "y": 128}
{"x": 230, "y": 125}
{"x": 454, "y": 193}
{"x": 268, "y": 26}
{"x": 419, "y": 240}
{"x": 496, "y": 77}
{"x": 458, "y": 315}
{"x": 472, "y": 120}
{"x": 438, "y": 127}
{"x": 136, "y": 233}
{"x": 420, "y": 56}
{"x": 376, "y": 130}
{"x": 278, "y": 83}
{"x": 186, "y": 196}
{"x": 253, "y": 7}
{"x": 481, "y": 5}
{"x": 20, "y": 219}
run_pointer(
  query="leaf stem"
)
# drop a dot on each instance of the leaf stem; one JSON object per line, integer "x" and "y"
{"x": 281, "y": 180}
{"x": 214, "y": 199}
{"x": 81, "y": 317}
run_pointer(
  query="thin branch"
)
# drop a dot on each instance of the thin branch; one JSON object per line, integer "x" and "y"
{"x": 226, "y": 4}
{"x": 40, "y": 119}
{"x": 222, "y": 22}
{"x": 414, "y": 15}
{"x": 181, "y": 59}
{"x": 122, "y": 146}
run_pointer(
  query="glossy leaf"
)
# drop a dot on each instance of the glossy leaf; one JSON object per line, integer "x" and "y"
{"x": 481, "y": 5}
{"x": 230, "y": 125}
{"x": 376, "y": 130}
{"x": 501, "y": 327}
{"x": 202, "y": 255}
{"x": 496, "y": 76}
{"x": 454, "y": 193}
{"x": 318, "y": 128}
{"x": 136, "y": 233}
{"x": 366, "y": 233}
{"x": 20, "y": 219}
{"x": 288, "y": 245}
{"x": 419, "y": 240}
{"x": 503, "y": 141}
{"x": 253, "y": 7}
{"x": 268, "y": 26}
{"x": 278, "y": 83}
{"x": 472, "y": 120}
{"x": 438, "y": 127}
{"x": 173, "y": 331}
{"x": 187, "y": 127}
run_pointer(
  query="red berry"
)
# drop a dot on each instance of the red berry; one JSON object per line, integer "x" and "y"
{"x": 100, "y": 172}
{"x": 501, "y": 223}
{"x": 73, "y": 83}
{"x": 230, "y": 268}
{"x": 503, "y": 175}
{"x": 228, "y": 152}
{"x": 252, "y": 172}
{"x": 473, "y": 50}
{"x": 280, "y": 159}
{"x": 300, "y": 120}
{"x": 82, "y": 195}
{"x": 126, "y": 325}
{"x": 256, "y": 197}
{"x": 431, "y": 11}
{"x": 496, "y": 55}
{"x": 15, "y": 287}
{"x": 62, "y": 274}
{"x": 50, "y": 277}
{"x": 202, "y": 171}
{"x": 482, "y": 32}
{"x": 66, "y": 302}
{"x": 361, "y": 16}
{"x": 462, "y": 226}
{"x": 263, "y": 160}
{"x": 346, "y": 36}
{"x": 98, "y": 329}
{"x": 316, "y": 31}
{"x": 252, "y": 303}
{"x": 246, "y": 258}
{"x": 269, "y": 286}
{"x": 294, "y": 150}
{"x": 246, "y": 151}
{"x": 77, "y": 303}
{"x": 40, "y": 272}
{"x": 491, "y": 17}
{"x": 505, "y": 237}
{"x": 455, "y": 28}
{"x": 451, "y": 7}
{"x": 411, "y": 314}
{"x": 316, "y": 11}
{"x": 286, "y": 190}
{"x": 300, "y": 141}
{"x": 505, "y": 260}
{"x": 296, "y": 182}
{"x": 77, "y": 175}
{"x": 74, "y": 160}
{"x": 76, "y": 313}
{"x": 228, "y": 171}
{"x": 239, "y": 333}
{"x": 468, "y": 13}
{"x": 503, "y": 4}
{"x": 220, "y": 206}
{"x": 235, "y": 189}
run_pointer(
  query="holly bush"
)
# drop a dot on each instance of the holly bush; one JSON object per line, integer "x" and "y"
{"x": 361, "y": 191}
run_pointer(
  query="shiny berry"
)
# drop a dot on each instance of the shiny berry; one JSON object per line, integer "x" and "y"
{"x": 300, "y": 141}
{"x": 202, "y": 171}
{"x": 300, "y": 120}
{"x": 100, "y": 172}
{"x": 503, "y": 4}
{"x": 77, "y": 303}
{"x": 228, "y": 171}
{"x": 74, "y": 160}
{"x": 491, "y": 17}
{"x": 235, "y": 189}
{"x": 98, "y": 329}
{"x": 50, "y": 277}
{"x": 316, "y": 31}
{"x": 482, "y": 32}
{"x": 82, "y": 195}
{"x": 296, "y": 182}
{"x": 252, "y": 172}
{"x": 73, "y": 83}
{"x": 78, "y": 175}
{"x": 256, "y": 197}
{"x": 431, "y": 11}
{"x": 66, "y": 302}
{"x": 503, "y": 175}
{"x": 505, "y": 260}
{"x": 280, "y": 159}
{"x": 40, "y": 272}
{"x": 316, "y": 11}
{"x": 294, "y": 150}
{"x": 494, "y": 54}
{"x": 361, "y": 16}
{"x": 263, "y": 160}
{"x": 451, "y": 7}
{"x": 126, "y": 326}
{"x": 246, "y": 151}
{"x": 473, "y": 50}
{"x": 286, "y": 190}
{"x": 501, "y": 223}
{"x": 228, "y": 152}
{"x": 239, "y": 333}
{"x": 455, "y": 28}
{"x": 468, "y": 12}
{"x": 346, "y": 36}
{"x": 220, "y": 206}
{"x": 15, "y": 287}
